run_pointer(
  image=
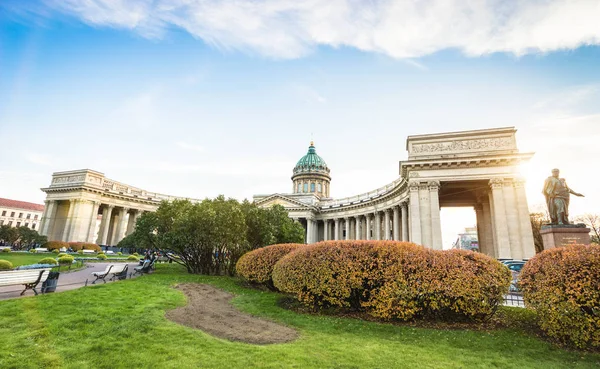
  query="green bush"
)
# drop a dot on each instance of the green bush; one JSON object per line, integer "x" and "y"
{"x": 136, "y": 254}
{"x": 119, "y": 253}
{"x": 55, "y": 251}
{"x": 48, "y": 261}
{"x": 563, "y": 286}
{"x": 133, "y": 257}
{"x": 394, "y": 280}
{"x": 55, "y": 245}
{"x": 80, "y": 252}
{"x": 33, "y": 251}
{"x": 6, "y": 249}
{"x": 102, "y": 257}
{"x": 62, "y": 254}
{"x": 66, "y": 260}
{"x": 101, "y": 253}
{"x": 257, "y": 265}
{"x": 5, "y": 265}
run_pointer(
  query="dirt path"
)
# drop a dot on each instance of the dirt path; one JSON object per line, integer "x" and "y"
{"x": 209, "y": 309}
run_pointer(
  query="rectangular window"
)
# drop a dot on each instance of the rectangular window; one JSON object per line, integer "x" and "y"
{"x": 306, "y": 187}
{"x": 28, "y": 216}
{"x": 18, "y": 224}
{"x": 35, "y": 217}
{"x": 12, "y": 214}
{"x": 299, "y": 187}
{"x": 2, "y": 222}
{"x": 20, "y": 215}
{"x": 33, "y": 226}
{"x": 10, "y": 223}
{"x": 312, "y": 187}
{"x": 27, "y": 225}
{"x": 3, "y": 213}
{"x": 320, "y": 188}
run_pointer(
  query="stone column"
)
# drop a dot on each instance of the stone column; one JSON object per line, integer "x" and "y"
{"x": 105, "y": 224}
{"x": 415, "y": 213}
{"x": 368, "y": 226}
{"x": 512, "y": 218}
{"x": 336, "y": 232}
{"x": 396, "y": 225}
{"x": 377, "y": 225}
{"x": 48, "y": 218}
{"x": 72, "y": 205}
{"x": 91, "y": 227}
{"x": 404, "y": 210}
{"x": 309, "y": 231}
{"x": 325, "y": 229}
{"x": 500, "y": 223}
{"x": 357, "y": 228}
{"x": 120, "y": 227}
{"x": 527, "y": 244}
{"x": 386, "y": 224}
{"x": 347, "y": 226}
{"x": 436, "y": 225}
{"x": 488, "y": 232}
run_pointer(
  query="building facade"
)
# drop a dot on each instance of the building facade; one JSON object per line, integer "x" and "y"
{"x": 16, "y": 213}
{"x": 467, "y": 240}
{"x": 471, "y": 168}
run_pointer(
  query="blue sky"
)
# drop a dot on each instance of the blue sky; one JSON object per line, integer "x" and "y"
{"x": 198, "y": 98}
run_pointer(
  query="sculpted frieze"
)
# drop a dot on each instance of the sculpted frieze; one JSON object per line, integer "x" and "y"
{"x": 69, "y": 179}
{"x": 500, "y": 143}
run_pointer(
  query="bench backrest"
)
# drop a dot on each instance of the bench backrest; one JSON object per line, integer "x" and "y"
{"x": 118, "y": 268}
{"x": 12, "y": 277}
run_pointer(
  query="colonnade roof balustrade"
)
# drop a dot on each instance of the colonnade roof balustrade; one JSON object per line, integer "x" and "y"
{"x": 367, "y": 196}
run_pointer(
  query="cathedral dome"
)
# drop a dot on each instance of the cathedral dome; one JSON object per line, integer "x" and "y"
{"x": 311, "y": 163}
{"x": 311, "y": 174}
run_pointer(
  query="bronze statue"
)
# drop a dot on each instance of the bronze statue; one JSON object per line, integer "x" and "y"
{"x": 557, "y": 195}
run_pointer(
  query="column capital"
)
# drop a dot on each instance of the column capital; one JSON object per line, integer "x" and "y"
{"x": 413, "y": 186}
{"x": 496, "y": 183}
{"x": 404, "y": 204}
{"x": 110, "y": 206}
{"x": 519, "y": 182}
{"x": 433, "y": 185}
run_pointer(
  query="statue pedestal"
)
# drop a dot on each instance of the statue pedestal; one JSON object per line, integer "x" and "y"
{"x": 564, "y": 235}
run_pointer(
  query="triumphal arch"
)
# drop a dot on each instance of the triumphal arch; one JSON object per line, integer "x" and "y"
{"x": 479, "y": 169}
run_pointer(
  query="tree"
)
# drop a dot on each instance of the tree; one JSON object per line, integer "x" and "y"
{"x": 592, "y": 221}
{"x": 9, "y": 234}
{"x": 145, "y": 233}
{"x": 285, "y": 229}
{"x": 537, "y": 220}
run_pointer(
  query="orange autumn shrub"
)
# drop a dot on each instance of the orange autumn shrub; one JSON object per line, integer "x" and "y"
{"x": 257, "y": 266}
{"x": 76, "y": 246}
{"x": 394, "y": 280}
{"x": 563, "y": 286}
{"x": 55, "y": 245}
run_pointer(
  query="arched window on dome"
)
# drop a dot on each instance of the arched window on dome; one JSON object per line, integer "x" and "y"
{"x": 299, "y": 187}
{"x": 305, "y": 187}
{"x": 320, "y": 187}
{"x": 312, "y": 187}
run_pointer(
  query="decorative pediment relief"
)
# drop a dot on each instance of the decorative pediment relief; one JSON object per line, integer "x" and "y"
{"x": 280, "y": 200}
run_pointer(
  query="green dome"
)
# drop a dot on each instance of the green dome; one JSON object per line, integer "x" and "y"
{"x": 311, "y": 163}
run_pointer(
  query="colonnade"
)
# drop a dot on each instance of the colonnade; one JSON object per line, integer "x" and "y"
{"x": 386, "y": 224}
{"x": 77, "y": 220}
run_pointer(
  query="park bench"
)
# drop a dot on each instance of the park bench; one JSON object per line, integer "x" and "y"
{"x": 144, "y": 268}
{"x": 103, "y": 274}
{"x": 41, "y": 249}
{"x": 119, "y": 271}
{"x": 29, "y": 278}
{"x": 89, "y": 251}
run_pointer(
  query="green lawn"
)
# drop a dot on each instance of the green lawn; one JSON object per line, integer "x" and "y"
{"x": 122, "y": 325}
{"x": 25, "y": 258}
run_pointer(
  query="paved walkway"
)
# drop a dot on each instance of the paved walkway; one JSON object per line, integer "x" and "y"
{"x": 66, "y": 281}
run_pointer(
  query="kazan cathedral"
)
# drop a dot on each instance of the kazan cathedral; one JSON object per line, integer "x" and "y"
{"x": 478, "y": 169}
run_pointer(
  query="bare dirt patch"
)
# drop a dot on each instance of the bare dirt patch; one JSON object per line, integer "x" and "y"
{"x": 210, "y": 310}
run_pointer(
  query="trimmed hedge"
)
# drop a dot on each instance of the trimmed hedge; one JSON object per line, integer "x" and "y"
{"x": 56, "y": 251}
{"x": 84, "y": 246}
{"x": 257, "y": 266}
{"x": 6, "y": 249}
{"x": 102, "y": 257}
{"x": 48, "y": 261}
{"x": 5, "y": 265}
{"x": 55, "y": 245}
{"x": 66, "y": 259}
{"x": 33, "y": 251}
{"x": 62, "y": 254}
{"x": 80, "y": 252}
{"x": 394, "y": 280}
{"x": 563, "y": 286}
{"x": 133, "y": 257}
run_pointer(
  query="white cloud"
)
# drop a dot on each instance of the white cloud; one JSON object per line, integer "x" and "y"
{"x": 401, "y": 29}
{"x": 189, "y": 146}
{"x": 37, "y": 158}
